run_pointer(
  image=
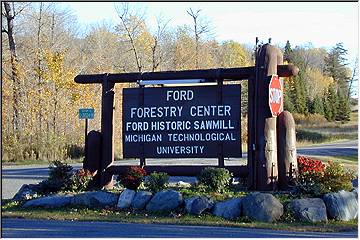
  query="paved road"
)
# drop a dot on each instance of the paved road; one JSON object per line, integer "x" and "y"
{"x": 13, "y": 177}
{"x": 27, "y": 228}
{"x": 341, "y": 148}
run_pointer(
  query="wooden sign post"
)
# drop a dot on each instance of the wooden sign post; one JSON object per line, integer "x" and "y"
{"x": 261, "y": 169}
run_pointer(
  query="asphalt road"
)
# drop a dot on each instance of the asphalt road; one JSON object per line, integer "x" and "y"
{"x": 28, "y": 228}
{"x": 13, "y": 177}
{"x": 341, "y": 148}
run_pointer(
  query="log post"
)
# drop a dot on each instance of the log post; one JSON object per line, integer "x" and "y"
{"x": 107, "y": 104}
{"x": 263, "y": 126}
{"x": 286, "y": 140}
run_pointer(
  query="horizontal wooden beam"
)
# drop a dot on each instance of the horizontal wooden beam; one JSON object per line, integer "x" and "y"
{"x": 190, "y": 170}
{"x": 209, "y": 75}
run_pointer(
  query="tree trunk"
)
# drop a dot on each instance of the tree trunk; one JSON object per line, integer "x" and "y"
{"x": 14, "y": 66}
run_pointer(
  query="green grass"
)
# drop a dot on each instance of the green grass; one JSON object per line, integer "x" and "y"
{"x": 11, "y": 209}
{"x": 319, "y": 137}
{"x": 349, "y": 162}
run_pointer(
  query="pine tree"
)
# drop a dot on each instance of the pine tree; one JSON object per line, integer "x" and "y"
{"x": 300, "y": 95}
{"x": 343, "y": 109}
{"x": 327, "y": 108}
{"x": 288, "y": 105}
{"x": 287, "y": 52}
{"x": 317, "y": 106}
{"x": 335, "y": 66}
{"x": 332, "y": 104}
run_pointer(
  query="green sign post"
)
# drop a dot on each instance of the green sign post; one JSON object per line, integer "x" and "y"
{"x": 86, "y": 113}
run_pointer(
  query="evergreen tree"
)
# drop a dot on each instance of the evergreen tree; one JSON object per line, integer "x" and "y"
{"x": 327, "y": 108}
{"x": 343, "y": 109}
{"x": 288, "y": 104}
{"x": 300, "y": 95}
{"x": 287, "y": 51}
{"x": 332, "y": 104}
{"x": 335, "y": 66}
{"x": 317, "y": 106}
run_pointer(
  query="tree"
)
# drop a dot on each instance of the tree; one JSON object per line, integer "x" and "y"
{"x": 300, "y": 95}
{"x": 131, "y": 24}
{"x": 287, "y": 52}
{"x": 233, "y": 54}
{"x": 10, "y": 13}
{"x": 335, "y": 66}
{"x": 158, "y": 38}
{"x": 317, "y": 106}
{"x": 184, "y": 50}
{"x": 354, "y": 77}
{"x": 331, "y": 104}
{"x": 343, "y": 110}
{"x": 200, "y": 28}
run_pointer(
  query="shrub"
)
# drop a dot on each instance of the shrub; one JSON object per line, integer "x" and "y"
{"x": 316, "y": 179}
{"x": 310, "y": 175}
{"x": 157, "y": 181}
{"x": 75, "y": 151}
{"x": 315, "y": 137}
{"x": 59, "y": 177}
{"x": 336, "y": 178}
{"x": 310, "y": 119}
{"x": 215, "y": 179}
{"x": 80, "y": 180}
{"x": 133, "y": 177}
{"x": 306, "y": 164}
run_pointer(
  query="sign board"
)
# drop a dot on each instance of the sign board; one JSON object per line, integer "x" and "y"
{"x": 275, "y": 95}
{"x": 182, "y": 122}
{"x": 86, "y": 113}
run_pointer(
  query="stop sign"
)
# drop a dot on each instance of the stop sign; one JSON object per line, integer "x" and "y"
{"x": 275, "y": 95}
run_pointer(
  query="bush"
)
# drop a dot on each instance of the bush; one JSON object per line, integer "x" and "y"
{"x": 59, "y": 177}
{"x": 310, "y": 176}
{"x": 316, "y": 179}
{"x": 336, "y": 178}
{"x": 310, "y": 119}
{"x": 315, "y": 137}
{"x": 215, "y": 179}
{"x": 133, "y": 177}
{"x": 80, "y": 180}
{"x": 157, "y": 181}
{"x": 75, "y": 151}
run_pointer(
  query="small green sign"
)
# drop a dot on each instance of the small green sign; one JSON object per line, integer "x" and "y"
{"x": 86, "y": 113}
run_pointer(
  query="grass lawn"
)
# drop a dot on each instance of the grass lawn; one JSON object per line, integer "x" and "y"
{"x": 115, "y": 215}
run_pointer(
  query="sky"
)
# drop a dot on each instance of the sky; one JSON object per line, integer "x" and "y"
{"x": 322, "y": 23}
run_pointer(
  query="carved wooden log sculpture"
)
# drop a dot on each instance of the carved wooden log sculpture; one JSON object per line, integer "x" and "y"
{"x": 286, "y": 141}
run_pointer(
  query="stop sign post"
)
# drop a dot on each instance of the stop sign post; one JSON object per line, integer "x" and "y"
{"x": 275, "y": 95}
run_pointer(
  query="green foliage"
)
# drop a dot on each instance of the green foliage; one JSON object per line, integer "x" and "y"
{"x": 333, "y": 102}
{"x": 336, "y": 178}
{"x": 315, "y": 137}
{"x": 215, "y": 179}
{"x": 303, "y": 96}
{"x": 343, "y": 111}
{"x": 315, "y": 179}
{"x": 317, "y": 106}
{"x": 310, "y": 173}
{"x": 288, "y": 216}
{"x": 59, "y": 177}
{"x": 79, "y": 181}
{"x": 287, "y": 51}
{"x": 335, "y": 65}
{"x": 156, "y": 182}
{"x": 75, "y": 151}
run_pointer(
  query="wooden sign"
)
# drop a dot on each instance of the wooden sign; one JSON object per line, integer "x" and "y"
{"x": 182, "y": 122}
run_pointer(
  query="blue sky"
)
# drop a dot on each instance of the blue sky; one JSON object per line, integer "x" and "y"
{"x": 322, "y": 23}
